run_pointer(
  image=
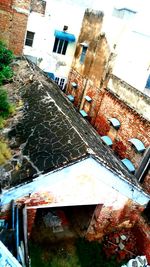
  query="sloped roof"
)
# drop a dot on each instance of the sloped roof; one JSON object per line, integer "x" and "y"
{"x": 51, "y": 133}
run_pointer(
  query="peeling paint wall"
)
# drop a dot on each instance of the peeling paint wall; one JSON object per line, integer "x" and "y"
{"x": 13, "y": 22}
{"x": 91, "y": 73}
{"x": 56, "y": 15}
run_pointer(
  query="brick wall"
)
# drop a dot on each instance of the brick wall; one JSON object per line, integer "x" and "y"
{"x": 31, "y": 214}
{"x": 108, "y": 220}
{"x": 131, "y": 96}
{"x": 13, "y": 23}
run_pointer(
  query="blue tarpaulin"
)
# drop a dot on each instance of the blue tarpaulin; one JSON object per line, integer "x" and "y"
{"x": 64, "y": 36}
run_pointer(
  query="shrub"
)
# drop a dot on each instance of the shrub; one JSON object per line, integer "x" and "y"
{"x": 1, "y": 122}
{"x": 6, "y": 57}
{"x": 5, "y": 153}
{"x": 5, "y": 107}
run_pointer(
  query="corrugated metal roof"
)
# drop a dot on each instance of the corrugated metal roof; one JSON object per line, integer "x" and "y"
{"x": 65, "y": 36}
{"x": 138, "y": 144}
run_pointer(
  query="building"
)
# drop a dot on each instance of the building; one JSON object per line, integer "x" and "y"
{"x": 52, "y": 49}
{"x": 118, "y": 111}
{"x": 13, "y": 23}
{"x": 60, "y": 160}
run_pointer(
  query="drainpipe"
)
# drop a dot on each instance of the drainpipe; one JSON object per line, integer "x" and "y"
{"x": 17, "y": 232}
{"x": 13, "y": 215}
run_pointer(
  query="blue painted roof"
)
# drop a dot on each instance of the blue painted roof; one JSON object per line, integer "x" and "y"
{"x": 64, "y": 36}
{"x": 115, "y": 122}
{"x": 70, "y": 97}
{"x": 129, "y": 165}
{"x": 138, "y": 144}
{"x": 89, "y": 99}
{"x": 107, "y": 140}
{"x": 83, "y": 113}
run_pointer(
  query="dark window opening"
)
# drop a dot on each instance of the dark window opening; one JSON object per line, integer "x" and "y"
{"x": 60, "y": 46}
{"x": 60, "y": 82}
{"x": 29, "y": 38}
{"x": 83, "y": 54}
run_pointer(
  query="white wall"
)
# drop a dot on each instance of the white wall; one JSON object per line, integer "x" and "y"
{"x": 58, "y": 13}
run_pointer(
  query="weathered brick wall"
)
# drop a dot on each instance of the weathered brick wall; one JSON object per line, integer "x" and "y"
{"x": 31, "y": 214}
{"x": 142, "y": 234}
{"x": 13, "y": 23}
{"x": 109, "y": 220}
{"x": 130, "y": 95}
{"x": 132, "y": 124}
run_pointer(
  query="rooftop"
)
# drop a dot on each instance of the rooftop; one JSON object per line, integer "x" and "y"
{"x": 50, "y": 133}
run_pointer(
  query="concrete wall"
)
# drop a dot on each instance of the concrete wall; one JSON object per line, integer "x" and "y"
{"x": 13, "y": 22}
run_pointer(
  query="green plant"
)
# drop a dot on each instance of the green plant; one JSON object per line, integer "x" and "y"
{"x": 5, "y": 152}
{"x": 5, "y": 107}
{"x": 6, "y": 57}
{"x": 2, "y": 122}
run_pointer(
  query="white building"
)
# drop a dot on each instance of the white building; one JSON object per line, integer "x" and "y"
{"x": 132, "y": 41}
{"x": 51, "y": 40}
{"x": 51, "y": 37}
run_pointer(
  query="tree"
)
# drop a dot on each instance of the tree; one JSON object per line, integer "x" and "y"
{"x": 6, "y": 57}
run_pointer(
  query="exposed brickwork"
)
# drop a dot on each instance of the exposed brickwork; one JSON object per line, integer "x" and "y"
{"x": 13, "y": 23}
{"x": 107, "y": 220}
{"x": 31, "y": 213}
{"x": 142, "y": 234}
{"x": 132, "y": 124}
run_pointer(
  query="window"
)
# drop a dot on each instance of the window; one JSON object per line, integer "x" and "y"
{"x": 74, "y": 85}
{"x": 29, "y": 38}
{"x": 83, "y": 113}
{"x": 139, "y": 146}
{"x": 82, "y": 57}
{"x": 60, "y": 46}
{"x": 60, "y": 82}
{"x": 115, "y": 123}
